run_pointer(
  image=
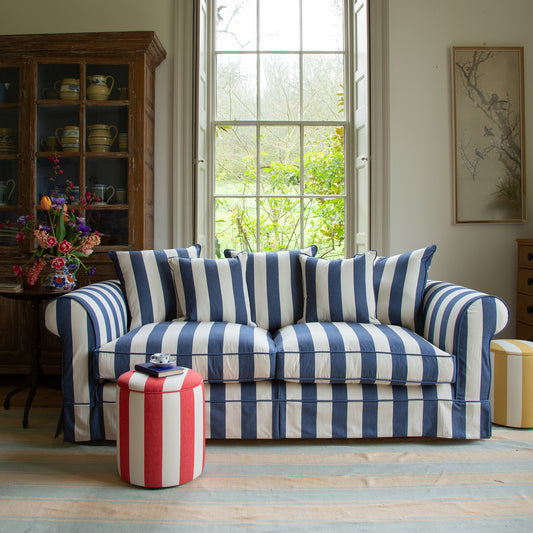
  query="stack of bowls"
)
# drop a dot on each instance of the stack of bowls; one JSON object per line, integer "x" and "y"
{"x": 8, "y": 141}
{"x": 101, "y": 137}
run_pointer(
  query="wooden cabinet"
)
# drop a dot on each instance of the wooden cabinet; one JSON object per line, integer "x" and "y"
{"x": 51, "y": 84}
{"x": 524, "y": 293}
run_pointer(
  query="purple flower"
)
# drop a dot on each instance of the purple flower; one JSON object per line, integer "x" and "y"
{"x": 84, "y": 230}
{"x": 46, "y": 228}
{"x": 92, "y": 271}
{"x": 22, "y": 219}
{"x": 57, "y": 202}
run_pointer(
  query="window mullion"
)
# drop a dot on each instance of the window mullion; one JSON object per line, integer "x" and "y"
{"x": 258, "y": 243}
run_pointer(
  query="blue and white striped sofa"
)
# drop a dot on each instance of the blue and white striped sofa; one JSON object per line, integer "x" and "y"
{"x": 328, "y": 379}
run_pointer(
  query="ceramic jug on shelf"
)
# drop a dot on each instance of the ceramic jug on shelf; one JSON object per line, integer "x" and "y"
{"x": 98, "y": 88}
{"x": 4, "y": 87}
{"x": 69, "y": 138}
{"x": 104, "y": 192}
{"x": 101, "y": 137}
{"x": 69, "y": 88}
{"x": 7, "y": 188}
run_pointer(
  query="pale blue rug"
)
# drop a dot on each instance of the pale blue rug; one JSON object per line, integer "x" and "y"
{"x": 313, "y": 486}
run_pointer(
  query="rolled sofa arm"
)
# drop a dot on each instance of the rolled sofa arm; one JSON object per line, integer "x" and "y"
{"x": 85, "y": 319}
{"x": 462, "y": 321}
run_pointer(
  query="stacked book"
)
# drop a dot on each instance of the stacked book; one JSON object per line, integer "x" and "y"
{"x": 10, "y": 285}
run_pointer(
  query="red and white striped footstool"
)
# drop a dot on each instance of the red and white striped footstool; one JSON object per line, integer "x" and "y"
{"x": 161, "y": 428}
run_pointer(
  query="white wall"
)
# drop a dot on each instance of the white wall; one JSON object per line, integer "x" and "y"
{"x": 421, "y": 33}
{"x": 73, "y": 16}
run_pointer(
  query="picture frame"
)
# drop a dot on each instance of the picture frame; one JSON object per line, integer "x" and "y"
{"x": 488, "y": 132}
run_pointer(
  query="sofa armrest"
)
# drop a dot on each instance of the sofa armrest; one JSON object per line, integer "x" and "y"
{"x": 462, "y": 321}
{"x": 85, "y": 319}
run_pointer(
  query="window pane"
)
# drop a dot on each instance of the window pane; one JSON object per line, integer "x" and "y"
{"x": 279, "y": 22}
{"x": 324, "y": 160}
{"x": 280, "y": 161}
{"x": 279, "y": 223}
{"x": 235, "y": 168}
{"x": 236, "y": 25}
{"x": 280, "y": 82}
{"x": 236, "y": 87}
{"x": 324, "y": 226}
{"x": 323, "y": 27}
{"x": 235, "y": 225}
{"x": 323, "y": 82}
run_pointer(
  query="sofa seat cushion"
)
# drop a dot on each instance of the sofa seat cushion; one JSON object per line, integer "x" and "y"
{"x": 346, "y": 352}
{"x": 219, "y": 351}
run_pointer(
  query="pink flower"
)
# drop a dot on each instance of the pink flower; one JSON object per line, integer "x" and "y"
{"x": 34, "y": 271}
{"x": 17, "y": 269}
{"x": 65, "y": 247}
{"x": 58, "y": 262}
{"x": 51, "y": 241}
{"x": 20, "y": 236}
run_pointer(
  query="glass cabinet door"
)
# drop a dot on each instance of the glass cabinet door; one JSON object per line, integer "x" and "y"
{"x": 83, "y": 120}
{"x": 9, "y": 150}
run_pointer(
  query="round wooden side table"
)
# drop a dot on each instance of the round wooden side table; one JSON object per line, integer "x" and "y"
{"x": 34, "y": 297}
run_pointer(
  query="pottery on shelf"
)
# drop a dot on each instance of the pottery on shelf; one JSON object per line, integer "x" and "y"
{"x": 98, "y": 88}
{"x": 101, "y": 137}
{"x": 69, "y": 88}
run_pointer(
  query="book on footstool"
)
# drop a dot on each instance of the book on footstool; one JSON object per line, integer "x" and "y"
{"x": 159, "y": 371}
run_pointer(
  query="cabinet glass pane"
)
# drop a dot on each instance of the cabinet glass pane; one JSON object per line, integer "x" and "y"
{"x": 49, "y": 183}
{"x": 56, "y": 121}
{"x": 112, "y": 173}
{"x": 111, "y": 223}
{"x": 9, "y": 133}
{"x": 58, "y": 81}
{"x": 104, "y": 124}
{"x": 8, "y": 184}
{"x": 8, "y": 228}
{"x": 9, "y": 85}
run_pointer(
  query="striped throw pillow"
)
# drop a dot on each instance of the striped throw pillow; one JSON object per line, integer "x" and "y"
{"x": 339, "y": 290}
{"x": 212, "y": 290}
{"x": 399, "y": 283}
{"x": 147, "y": 283}
{"x": 274, "y": 281}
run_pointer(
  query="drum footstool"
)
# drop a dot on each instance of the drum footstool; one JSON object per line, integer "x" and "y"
{"x": 161, "y": 428}
{"x": 512, "y": 383}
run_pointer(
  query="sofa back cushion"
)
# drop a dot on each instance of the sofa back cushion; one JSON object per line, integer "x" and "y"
{"x": 399, "y": 283}
{"x": 212, "y": 289}
{"x": 339, "y": 290}
{"x": 147, "y": 283}
{"x": 275, "y": 289}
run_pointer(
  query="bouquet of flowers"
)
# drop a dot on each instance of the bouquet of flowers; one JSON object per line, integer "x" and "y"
{"x": 62, "y": 242}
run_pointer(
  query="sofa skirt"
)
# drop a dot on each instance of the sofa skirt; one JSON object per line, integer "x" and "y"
{"x": 278, "y": 410}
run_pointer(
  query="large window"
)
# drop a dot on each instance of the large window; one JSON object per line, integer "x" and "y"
{"x": 287, "y": 126}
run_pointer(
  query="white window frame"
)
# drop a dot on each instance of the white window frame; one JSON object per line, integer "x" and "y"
{"x": 188, "y": 193}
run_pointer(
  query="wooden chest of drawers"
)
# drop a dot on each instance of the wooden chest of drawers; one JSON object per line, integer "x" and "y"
{"x": 524, "y": 290}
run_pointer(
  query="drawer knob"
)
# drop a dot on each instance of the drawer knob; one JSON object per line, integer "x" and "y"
{"x": 530, "y": 256}
{"x": 530, "y": 281}
{"x": 529, "y": 309}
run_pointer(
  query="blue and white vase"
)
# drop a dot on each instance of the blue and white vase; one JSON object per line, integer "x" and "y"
{"x": 62, "y": 279}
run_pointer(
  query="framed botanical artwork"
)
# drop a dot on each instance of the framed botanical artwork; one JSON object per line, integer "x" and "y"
{"x": 488, "y": 125}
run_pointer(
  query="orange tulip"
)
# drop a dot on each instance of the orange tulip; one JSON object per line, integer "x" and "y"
{"x": 46, "y": 203}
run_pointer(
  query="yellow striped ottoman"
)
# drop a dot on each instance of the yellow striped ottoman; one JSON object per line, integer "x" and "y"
{"x": 511, "y": 393}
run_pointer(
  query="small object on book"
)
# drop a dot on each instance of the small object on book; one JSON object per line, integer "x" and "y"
{"x": 159, "y": 372}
